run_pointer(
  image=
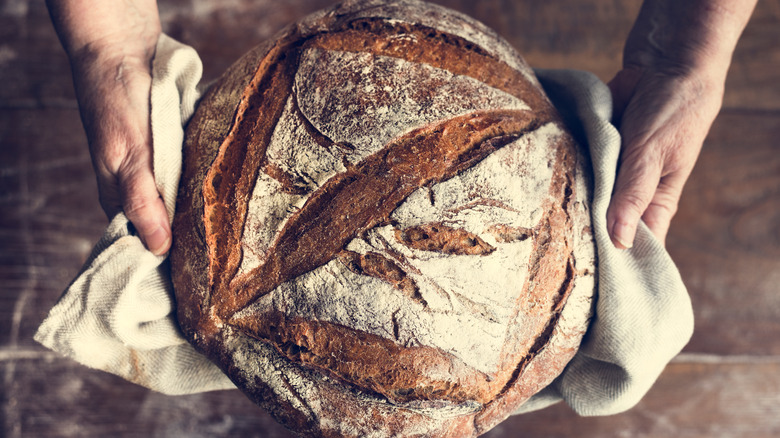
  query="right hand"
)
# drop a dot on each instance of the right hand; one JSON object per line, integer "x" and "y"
{"x": 111, "y": 46}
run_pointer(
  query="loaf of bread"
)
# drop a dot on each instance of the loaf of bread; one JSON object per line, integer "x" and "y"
{"x": 382, "y": 226}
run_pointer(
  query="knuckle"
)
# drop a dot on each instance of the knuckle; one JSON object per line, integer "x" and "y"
{"x": 667, "y": 197}
{"x": 112, "y": 154}
{"x": 643, "y": 158}
{"x": 664, "y": 210}
{"x": 136, "y": 162}
{"x": 661, "y": 210}
{"x": 657, "y": 218}
{"x": 633, "y": 201}
{"x": 119, "y": 150}
{"x": 137, "y": 204}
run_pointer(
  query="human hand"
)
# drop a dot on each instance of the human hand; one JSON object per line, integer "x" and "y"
{"x": 663, "y": 118}
{"x": 111, "y": 46}
{"x": 665, "y": 99}
{"x": 114, "y": 101}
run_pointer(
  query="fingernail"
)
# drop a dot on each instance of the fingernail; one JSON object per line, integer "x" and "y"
{"x": 623, "y": 235}
{"x": 157, "y": 241}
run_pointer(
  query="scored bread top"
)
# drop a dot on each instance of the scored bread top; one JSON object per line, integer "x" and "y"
{"x": 382, "y": 204}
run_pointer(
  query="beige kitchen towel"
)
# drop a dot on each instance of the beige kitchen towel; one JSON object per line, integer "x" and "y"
{"x": 643, "y": 312}
{"x": 118, "y": 315}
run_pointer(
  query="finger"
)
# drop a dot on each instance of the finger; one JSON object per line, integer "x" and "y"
{"x": 144, "y": 207}
{"x": 636, "y": 183}
{"x": 663, "y": 207}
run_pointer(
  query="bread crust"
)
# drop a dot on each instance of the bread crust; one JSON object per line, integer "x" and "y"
{"x": 323, "y": 377}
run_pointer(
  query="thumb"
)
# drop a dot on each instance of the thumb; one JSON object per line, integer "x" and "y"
{"x": 635, "y": 187}
{"x": 144, "y": 207}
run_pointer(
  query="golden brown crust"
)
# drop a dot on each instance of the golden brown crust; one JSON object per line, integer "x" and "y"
{"x": 398, "y": 389}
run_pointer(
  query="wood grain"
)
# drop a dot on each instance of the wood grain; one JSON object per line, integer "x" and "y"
{"x": 725, "y": 238}
{"x": 690, "y": 400}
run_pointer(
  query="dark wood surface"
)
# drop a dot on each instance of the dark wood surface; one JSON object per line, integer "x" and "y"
{"x": 725, "y": 238}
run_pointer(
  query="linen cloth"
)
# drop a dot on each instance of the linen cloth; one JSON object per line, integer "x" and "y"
{"x": 118, "y": 314}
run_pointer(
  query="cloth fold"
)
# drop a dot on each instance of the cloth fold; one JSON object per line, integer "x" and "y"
{"x": 643, "y": 312}
{"x": 119, "y": 315}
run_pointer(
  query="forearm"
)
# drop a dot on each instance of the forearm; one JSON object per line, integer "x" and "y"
{"x": 665, "y": 99}
{"x": 115, "y": 28}
{"x": 111, "y": 44}
{"x": 688, "y": 35}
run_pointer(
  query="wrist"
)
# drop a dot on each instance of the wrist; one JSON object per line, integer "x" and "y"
{"x": 687, "y": 38}
{"x": 106, "y": 31}
{"x": 108, "y": 59}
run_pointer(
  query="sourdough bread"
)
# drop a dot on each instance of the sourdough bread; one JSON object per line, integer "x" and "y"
{"x": 382, "y": 227}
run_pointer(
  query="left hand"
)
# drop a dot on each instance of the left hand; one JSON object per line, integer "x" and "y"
{"x": 664, "y": 119}
{"x": 665, "y": 99}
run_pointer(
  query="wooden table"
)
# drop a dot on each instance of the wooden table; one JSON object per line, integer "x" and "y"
{"x": 725, "y": 238}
